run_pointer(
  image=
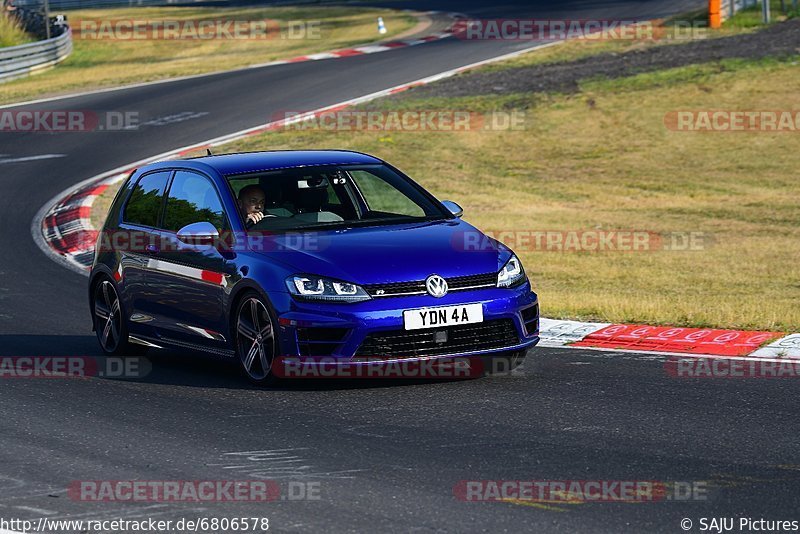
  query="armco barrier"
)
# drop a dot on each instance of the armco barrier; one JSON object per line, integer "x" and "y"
{"x": 20, "y": 61}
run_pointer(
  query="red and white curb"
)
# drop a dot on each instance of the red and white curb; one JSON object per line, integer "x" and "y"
{"x": 66, "y": 228}
{"x": 378, "y": 47}
{"x": 669, "y": 340}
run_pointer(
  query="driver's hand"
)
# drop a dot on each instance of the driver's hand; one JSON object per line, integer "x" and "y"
{"x": 253, "y": 218}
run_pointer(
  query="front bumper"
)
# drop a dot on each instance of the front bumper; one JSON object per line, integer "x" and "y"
{"x": 334, "y": 330}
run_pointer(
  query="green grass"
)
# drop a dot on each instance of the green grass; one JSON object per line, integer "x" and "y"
{"x": 691, "y": 74}
{"x": 752, "y": 16}
{"x": 11, "y": 33}
{"x": 103, "y": 63}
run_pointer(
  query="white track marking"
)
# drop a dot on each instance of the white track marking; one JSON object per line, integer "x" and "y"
{"x": 785, "y": 347}
{"x": 41, "y": 511}
{"x": 31, "y": 158}
{"x": 658, "y": 355}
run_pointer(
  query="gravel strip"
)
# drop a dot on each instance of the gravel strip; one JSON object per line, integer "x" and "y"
{"x": 779, "y": 40}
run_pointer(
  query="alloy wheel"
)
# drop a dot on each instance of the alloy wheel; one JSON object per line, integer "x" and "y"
{"x": 255, "y": 339}
{"x": 108, "y": 316}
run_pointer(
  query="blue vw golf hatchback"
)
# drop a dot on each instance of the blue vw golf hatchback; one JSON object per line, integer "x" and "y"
{"x": 313, "y": 255}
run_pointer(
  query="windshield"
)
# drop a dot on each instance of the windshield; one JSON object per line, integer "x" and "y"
{"x": 293, "y": 199}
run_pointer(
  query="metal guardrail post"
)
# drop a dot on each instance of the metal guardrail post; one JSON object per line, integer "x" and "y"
{"x": 47, "y": 17}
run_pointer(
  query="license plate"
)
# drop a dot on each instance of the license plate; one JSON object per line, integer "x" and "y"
{"x": 442, "y": 316}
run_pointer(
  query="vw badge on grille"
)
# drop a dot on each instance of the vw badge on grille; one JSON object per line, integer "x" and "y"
{"x": 436, "y": 285}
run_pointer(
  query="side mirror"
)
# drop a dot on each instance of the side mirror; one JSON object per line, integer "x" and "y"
{"x": 453, "y": 208}
{"x": 199, "y": 233}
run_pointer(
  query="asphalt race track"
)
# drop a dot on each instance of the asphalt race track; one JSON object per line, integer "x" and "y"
{"x": 382, "y": 455}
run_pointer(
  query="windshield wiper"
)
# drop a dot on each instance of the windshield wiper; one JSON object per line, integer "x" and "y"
{"x": 393, "y": 220}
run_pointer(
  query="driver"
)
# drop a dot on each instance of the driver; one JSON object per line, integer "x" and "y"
{"x": 251, "y": 204}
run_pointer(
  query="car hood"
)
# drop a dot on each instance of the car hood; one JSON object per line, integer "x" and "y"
{"x": 395, "y": 253}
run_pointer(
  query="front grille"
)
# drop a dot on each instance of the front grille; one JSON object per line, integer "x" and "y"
{"x": 461, "y": 339}
{"x": 477, "y": 280}
{"x": 456, "y": 283}
{"x": 399, "y": 288}
{"x": 320, "y": 341}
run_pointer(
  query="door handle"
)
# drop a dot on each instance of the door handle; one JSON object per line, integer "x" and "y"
{"x": 152, "y": 249}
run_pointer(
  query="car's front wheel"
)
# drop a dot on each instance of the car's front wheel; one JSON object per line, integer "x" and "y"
{"x": 255, "y": 339}
{"x": 110, "y": 324}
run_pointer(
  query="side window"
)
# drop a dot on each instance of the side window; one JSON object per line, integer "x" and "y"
{"x": 144, "y": 204}
{"x": 383, "y": 197}
{"x": 192, "y": 198}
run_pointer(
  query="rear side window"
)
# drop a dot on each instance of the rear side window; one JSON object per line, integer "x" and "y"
{"x": 144, "y": 204}
{"x": 192, "y": 198}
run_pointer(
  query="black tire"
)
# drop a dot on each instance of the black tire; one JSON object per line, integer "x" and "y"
{"x": 253, "y": 327}
{"x": 503, "y": 363}
{"x": 110, "y": 321}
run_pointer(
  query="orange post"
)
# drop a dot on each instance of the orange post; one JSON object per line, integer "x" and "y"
{"x": 715, "y": 13}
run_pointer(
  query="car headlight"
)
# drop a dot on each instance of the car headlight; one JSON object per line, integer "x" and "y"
{"x": 309, "y": 287}
{"x": 511, "y": 274}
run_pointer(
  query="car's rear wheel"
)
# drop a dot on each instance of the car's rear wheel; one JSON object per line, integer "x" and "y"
{"x": 503, "y": 363}
{"x": 255, "y": 339}
{"x": 110, "y": 324}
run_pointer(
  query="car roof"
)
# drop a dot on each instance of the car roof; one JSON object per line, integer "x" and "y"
{"x": 250, "y": 162}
